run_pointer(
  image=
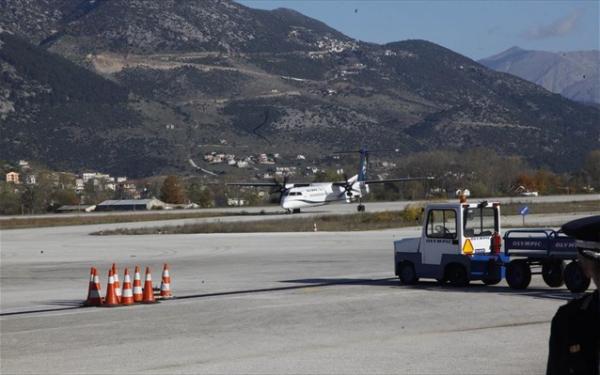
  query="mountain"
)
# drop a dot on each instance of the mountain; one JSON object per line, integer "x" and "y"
{"x": 187, "y": 75}
{"x": 575, "y": 75}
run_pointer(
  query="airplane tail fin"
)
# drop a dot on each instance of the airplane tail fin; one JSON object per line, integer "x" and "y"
{"x": 364, "y": 161}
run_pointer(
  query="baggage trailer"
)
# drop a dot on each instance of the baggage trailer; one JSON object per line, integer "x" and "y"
{"x": 545, "y": 252}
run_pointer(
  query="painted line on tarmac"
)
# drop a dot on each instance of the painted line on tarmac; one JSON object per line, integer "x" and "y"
{"x": 218, "y": 294}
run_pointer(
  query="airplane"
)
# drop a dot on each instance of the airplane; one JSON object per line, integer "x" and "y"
{"x": 295, "y": 196}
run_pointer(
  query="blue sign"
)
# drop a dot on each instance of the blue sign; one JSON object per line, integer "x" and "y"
{"x": 524, "y": 211}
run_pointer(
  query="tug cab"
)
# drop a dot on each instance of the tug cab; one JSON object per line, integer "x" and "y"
{"x": 459, "y": 242}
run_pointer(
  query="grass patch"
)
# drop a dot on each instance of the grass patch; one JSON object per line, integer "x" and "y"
{"x": 550, "y": 207}
{"x": 353, "y": 222}
{"x": 410, "y": 216}
{"x": 90, "y": 219}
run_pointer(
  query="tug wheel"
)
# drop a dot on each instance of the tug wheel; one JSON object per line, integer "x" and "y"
{"x": 456, "y": 274}
{"x": 407, "y": 273}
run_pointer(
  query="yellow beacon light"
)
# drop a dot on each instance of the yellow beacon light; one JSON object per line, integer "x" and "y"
{"x": 468, "y": 247}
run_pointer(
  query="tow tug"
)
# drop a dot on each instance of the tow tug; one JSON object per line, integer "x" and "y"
{"x": 461, "y": 242}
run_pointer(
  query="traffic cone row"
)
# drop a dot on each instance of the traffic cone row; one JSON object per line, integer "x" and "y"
{"x": 130, "y": 294}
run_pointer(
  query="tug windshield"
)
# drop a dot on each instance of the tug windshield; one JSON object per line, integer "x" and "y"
{"x": 480, "y": 222}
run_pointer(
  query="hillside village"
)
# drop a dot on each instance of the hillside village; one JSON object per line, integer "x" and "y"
{"x": 29, "y": 188}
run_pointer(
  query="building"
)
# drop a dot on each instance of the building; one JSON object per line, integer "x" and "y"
{"x": 13, "y": 177}
{"x": 30, "y": 179}
{"x": 237, "y": 202}
{"x": 131, "y": 205}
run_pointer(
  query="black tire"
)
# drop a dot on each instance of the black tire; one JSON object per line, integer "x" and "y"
{"x": 575, "y": 279}
{"x": 494, "y": 273}
{"x": 296, "y": 211}
{"x": 360, "y": 208}
{"x": 552, "y": 273}
{"x": 456, "y": 274}
{"x": 407, "y": 274}
{"x": 518, "y": 274}
{"x": 492, "y": 281}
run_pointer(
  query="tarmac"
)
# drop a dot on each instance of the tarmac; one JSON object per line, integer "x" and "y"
{"x": 324, "y": 302}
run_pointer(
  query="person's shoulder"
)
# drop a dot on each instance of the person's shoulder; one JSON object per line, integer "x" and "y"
{"x": 580, "y": 303}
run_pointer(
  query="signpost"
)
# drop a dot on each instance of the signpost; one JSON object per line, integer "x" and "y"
{"x": 524, "y": 211}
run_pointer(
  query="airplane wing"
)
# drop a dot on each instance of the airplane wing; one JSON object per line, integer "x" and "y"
{"x": 398, "y": 180}
{"x": 265, "y": 184}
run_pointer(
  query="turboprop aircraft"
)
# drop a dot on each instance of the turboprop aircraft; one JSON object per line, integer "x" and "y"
{"x": 295, "y": 196}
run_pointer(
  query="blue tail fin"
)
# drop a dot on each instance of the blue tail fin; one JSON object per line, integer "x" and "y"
{"x": 364, "y": 160}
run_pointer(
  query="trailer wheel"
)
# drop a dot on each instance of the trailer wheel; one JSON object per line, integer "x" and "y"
{"x": 456, "y": 274}
{"x": 518, "y": 274}
{"x": 575, "y": 279}
{"x": 552, "y": 273}
{"x": 407, "y": 273}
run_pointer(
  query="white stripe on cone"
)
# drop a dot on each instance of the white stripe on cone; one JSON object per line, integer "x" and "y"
{"x": 127, "y": 293}
{"x": 137, "y": 289}
{"x": 165, "y": 286}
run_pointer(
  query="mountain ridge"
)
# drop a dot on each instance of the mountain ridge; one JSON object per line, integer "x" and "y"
{"x": 574, "y": 74}
{"x": 277, "y": 80}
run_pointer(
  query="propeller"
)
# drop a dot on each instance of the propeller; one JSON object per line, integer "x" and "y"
{"x": 347, "y": 187}
{"x": 281, "y": 187}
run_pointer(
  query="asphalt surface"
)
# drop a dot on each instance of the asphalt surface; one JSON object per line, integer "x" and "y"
{"x": 258, "y": 303}
{"x": 337, "y": 208}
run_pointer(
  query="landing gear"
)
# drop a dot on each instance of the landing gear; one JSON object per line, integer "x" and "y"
{"x": 296, "y": 211}
{"x": 360, "y": 207}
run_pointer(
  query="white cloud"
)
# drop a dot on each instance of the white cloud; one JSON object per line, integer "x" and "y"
{"x": 559, "y": 27}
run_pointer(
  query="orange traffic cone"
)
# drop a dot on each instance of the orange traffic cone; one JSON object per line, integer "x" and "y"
{"x": 111, "y": 295}
{"x": 117, "y": 283}
{"x": 127, "y": 296}
{"x": 94, "y": 298}
{"x": 165, "y": 285}
{"x": 137, "y": 286}
{"x": 148, "y": 296}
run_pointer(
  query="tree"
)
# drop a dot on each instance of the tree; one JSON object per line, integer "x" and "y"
{"x": 200, "y": 195}
{"x": 172, "y": 191}
{"x": 592, "y": 167}
{"x": 9, "y": 199}
{"x": 327, "y": 176}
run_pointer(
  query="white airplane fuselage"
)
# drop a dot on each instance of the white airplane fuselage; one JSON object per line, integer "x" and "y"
{"x": 318, "y": 194}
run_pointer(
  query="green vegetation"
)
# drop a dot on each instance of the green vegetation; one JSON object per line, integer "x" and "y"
{"x": 354, "y": 222}
{"x": 410, "y": 216}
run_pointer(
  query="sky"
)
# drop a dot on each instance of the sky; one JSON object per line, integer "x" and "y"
{"x": 474, "y": 28}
